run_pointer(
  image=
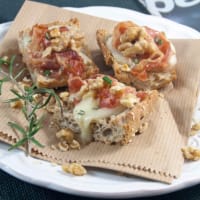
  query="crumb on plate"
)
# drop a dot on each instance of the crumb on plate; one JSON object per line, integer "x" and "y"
{"x": 74, "y": 169}
{"x": 191, "y": 153}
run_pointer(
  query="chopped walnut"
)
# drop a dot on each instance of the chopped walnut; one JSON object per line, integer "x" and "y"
{"x": 37, "y": 98}
{"x": 192, "y": 133}
{"x": 55, "y": 41}
{"x": 125, "y": 68}
{"x": 131, "y": 34}
{"x": 75, "y": 145}
{"x": 191, "y": 153}
{"x": 50, "y": 108}
{"x": 124, "y": 46}
{"x": 64, "y": 36}
{"x": 64, "y": 96}
{"x": 63, "y": 146}
{"x": 129, "y": 100}
{"x": 117, "y": 88}
{"x": 16, "y": 104}
{"x": 75, "y": 169}
{"x": 95, "y": 84}
{"x": 54, "y": 32}
{"x": 196, "y": 127}
{"x": 66, "y": 140}
{"x": 135, "y": 41}
{"x": 66, "y": 134}
{"x": 53, "y": 147}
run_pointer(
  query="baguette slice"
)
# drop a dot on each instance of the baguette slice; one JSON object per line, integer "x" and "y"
{"x": 103, "y": 109}
{"x": 140, "y": 56}
{"x": 54, "y": 52}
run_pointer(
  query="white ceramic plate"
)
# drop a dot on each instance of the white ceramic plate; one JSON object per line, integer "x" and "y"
{"x": 99, "y": 183}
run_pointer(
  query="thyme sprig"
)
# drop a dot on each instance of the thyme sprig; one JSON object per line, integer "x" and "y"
{"x": 30, "y": 106}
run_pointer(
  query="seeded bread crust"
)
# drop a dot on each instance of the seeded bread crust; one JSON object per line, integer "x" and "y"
{"x": 117, "y": 128}
{"x": 155, "y": 80}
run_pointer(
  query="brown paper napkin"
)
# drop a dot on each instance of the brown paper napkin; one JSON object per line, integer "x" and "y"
{"x": 156, "y": 154}
{"x": 149, "y": 155}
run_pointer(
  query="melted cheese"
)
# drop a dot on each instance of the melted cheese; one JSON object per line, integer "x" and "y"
{"x": 117, "y": 55}
{"x": 26, "y": 40}
{"x": 172, "y": 59}
{"x": 86, "y": 112}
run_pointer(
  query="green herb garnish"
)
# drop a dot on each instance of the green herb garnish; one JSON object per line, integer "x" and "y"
{"x": 107, "y": 80}
{"x": 136, "y": 60}
{"x": 158, "y": 41}
{"x": 81, "y": 112}
{"x": 29, "y": 108}
{"x": 47, "y": 36}
{"x": 47, "y": 72}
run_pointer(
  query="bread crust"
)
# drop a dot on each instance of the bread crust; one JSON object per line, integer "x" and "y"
{"x": 117, "y": 129}
{"x": 155, "y": 80}
{"x": 130, "y": 122}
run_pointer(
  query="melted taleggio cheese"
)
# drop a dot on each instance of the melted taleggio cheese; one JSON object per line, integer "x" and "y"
{"x": 87, "y": 111}
{"x": 117, "y": 55}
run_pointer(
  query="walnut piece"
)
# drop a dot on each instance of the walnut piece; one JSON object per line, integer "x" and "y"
{"x": 16, "y": 104}
{"x": 55, "y": 32}
{"x": 195, "y": 128}
{"x": 37, "y": 98}
{"x": 64, "y": 96}
{"x": 95, "y": 83}
{"x": 66, "y": 140}
{"x": 129, "y": 100}
{"x": 75, "y": 169}
{"x": 63, "y": 146}
{"x": 53, "y": 147}
{"x": 135, "y": 41}
{"x": 75, "y": 145}
{"x": 50, "y": 107}
{"x": 66, "y": 134}
{"x": 191, "y": 153}
{"x": 125, "y": 68}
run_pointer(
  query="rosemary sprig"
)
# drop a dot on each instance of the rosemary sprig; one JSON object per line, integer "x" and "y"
{"x": 29, "y": 107}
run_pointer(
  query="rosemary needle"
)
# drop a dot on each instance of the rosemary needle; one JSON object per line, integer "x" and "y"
{"x": 29, "y": 107}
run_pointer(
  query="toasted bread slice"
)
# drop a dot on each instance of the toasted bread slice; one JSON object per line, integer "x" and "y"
{"x": 54, "y": 52}
{"x": 103, "y": 109}
{"x": 140, "y": 56}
